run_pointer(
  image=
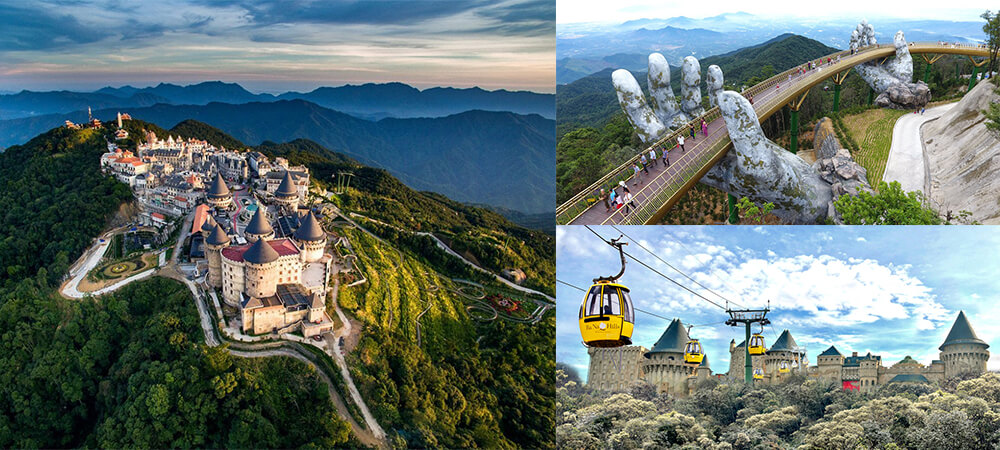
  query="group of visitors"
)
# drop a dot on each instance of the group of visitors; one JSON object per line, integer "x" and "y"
{"x": 616, "y": 201}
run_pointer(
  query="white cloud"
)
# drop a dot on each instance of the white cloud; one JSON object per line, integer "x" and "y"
{"x": 861, "y": 239}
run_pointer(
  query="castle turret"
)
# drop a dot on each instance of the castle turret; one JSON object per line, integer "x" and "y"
{"x": 287, "y": 194}
{"x": 829, "y": 364}
{"x": 218, "y": 194}
{"x": 214, "y": 244}
{"x": 258, "y": 228}
{"x": 963, "y": 351}
{"x": 260, "y": 259}
{"x": 311, "y": 238}
{"x": 664, "y": 366}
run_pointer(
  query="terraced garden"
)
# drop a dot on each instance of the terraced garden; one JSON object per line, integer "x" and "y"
{"x": 872, "y": 130}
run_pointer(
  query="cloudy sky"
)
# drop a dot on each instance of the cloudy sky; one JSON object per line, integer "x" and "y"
{"x": 887, "y": 290}
{"x": 278, "y": 45}
{"x": 602, "y": 11}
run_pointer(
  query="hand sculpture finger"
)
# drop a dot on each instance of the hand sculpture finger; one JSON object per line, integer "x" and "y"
{"x": 691, "y": 87}
{"x": 761, "y": 170}
{"x": 713, "y": 79}
{"x": 646, "y": 124}
{"x": 902, "y": 66}
{"x": 660, "y": 93}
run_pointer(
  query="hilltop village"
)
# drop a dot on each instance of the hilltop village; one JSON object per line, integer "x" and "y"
{"x": 663, "y": 366}
{"x": 252, "y": 237}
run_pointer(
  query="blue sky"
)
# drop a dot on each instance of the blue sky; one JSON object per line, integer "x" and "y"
{"x": 278, "y": 45}
{"x": 894, "y": 291}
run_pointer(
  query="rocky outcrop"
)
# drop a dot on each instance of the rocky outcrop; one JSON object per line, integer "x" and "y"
{"x": 963, "y": 158}
{"x": 646, "y": 124}
{"x": 906, "y": 96}
{"x": 837, "y": 167}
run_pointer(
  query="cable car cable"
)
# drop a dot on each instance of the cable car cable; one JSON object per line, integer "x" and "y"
{"x": 675, "y": 269}
{"x": 633, "y": 307}
{"x": 658, "y": 272}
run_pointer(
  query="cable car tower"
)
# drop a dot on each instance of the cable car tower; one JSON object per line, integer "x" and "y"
{"x": 343, "y": 181}
{"x": 747, "y": 317}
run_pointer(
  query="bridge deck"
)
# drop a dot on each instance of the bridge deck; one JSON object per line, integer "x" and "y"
{"x": 662, "y": 187}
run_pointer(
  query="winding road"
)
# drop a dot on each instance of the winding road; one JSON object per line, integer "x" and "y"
{"x": 906, "y": 155}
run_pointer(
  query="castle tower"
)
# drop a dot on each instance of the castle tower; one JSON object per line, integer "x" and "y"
{"x": 614, "y": 369}
{"x": 664, "y": 366}
{"x": 311, "y": 238}
{"x": 287, "y": 194}
{"x": 208, "y": 226}
{"x": 261, "y": 279}
{"x": 829, "y": 364}
{"x": 963, "y": 351}
{"x": 218, "y": 195}
{"x": 258, "y": 228}
{"x": 784, "y": 349}
{"x": 214, "y": 244}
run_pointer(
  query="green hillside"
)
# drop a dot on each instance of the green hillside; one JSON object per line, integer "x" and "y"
{"x": 192, "y": 128}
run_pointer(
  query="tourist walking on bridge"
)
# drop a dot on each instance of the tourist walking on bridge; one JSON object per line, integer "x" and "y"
{"x": 652, "y": 156}
{"x": 607, "y": 206}
{"x": 666, "y": 159}
{"x": 704, "y": 126}
{"x": 628, "y": 201}
{"x": 693, "y": 133}
{"x": 645, "y": 164}
{"x": 636, "y": 174}
{"x": 680, "y": 142}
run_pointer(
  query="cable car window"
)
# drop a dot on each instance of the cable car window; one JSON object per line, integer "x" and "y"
{"x": 593, "y": 305}
{"x": 628, "y": 306}
{"x": 612, "y": 304}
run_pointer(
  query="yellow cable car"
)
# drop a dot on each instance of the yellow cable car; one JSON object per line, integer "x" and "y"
{"x": 606, "y": 314}
{"x": 693, "y": 353}
{"x": 783, "y": 367}
{"x": 758, "y": 374}
{"x": 757, "y": 344}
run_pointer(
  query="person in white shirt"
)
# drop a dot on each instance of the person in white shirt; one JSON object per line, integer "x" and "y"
{"x": 680, "y": 142}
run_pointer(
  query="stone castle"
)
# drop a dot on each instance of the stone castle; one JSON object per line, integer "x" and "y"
{"x": 277, "y": 284}
{"x": 663, "y": 366}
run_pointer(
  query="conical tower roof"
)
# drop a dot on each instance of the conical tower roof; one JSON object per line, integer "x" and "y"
{"x": 218, "y": 188}
{"x": 785, "y": 343}
{"x": 218, "y": 236}
{"x": 258, "y": 224}
{"x": 209, "y": 224}
{"x": 260, "y": 252}
{"x": 310, "y": 229}
{"x": 962, "y": 333}
{"x": 287, "y": 187}
{"x": 673, "y": 339}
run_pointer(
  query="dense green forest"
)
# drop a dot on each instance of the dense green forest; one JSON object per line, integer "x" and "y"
{"x": 470, "y": 383}
{"x": 130, "y": 369}
{"x": 53, "y": 202}
{"x": 485, "y": 234}
{"x": 960, "y": 413}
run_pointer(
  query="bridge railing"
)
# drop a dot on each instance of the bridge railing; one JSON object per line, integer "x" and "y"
{"x": 579, "y": 203}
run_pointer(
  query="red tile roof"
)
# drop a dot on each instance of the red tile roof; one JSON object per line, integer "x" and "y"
{"x": 200, "y": 215}
{"x": 158, "y": 216}
{"x": 284, "y": 247}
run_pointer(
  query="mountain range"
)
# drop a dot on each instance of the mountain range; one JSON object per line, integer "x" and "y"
{"x": 583, "y": 49}
{"x": 370, "y": 101}
{"x": 501, "y": 159}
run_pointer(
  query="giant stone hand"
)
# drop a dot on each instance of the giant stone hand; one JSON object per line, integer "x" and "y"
{"x": 756, "y": 167}
{"x": 893, "y": 80}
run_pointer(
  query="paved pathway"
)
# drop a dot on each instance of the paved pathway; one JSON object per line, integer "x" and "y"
{"x": 906, "y": 156}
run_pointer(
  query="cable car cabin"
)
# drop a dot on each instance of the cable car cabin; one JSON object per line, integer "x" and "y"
{"x": 783, "y": 367}
{"x": 693, "y": 353}
{"x": 758, "y": 374}
{"x": 757, "y": 345}
{"x": 606, "y": 316}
